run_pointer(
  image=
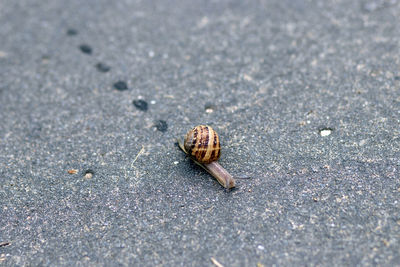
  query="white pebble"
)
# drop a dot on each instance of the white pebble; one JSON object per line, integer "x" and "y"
{"x": 325, "y": 132}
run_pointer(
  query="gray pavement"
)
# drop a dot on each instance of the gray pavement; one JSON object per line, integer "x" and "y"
{"x": 304, "y": 95}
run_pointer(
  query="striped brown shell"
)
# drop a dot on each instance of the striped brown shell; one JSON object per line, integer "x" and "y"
{"x": 202, "y": 144}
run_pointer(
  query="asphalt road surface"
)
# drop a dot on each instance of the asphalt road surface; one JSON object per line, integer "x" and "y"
{"x": 304, "y": 95}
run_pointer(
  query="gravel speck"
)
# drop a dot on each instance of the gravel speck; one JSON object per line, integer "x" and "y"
{"x": 140, "y": 104}
{"x": 86, "y": 49}
{"x": 102, "y": 67}
{"x": 88, "y": 174}
{"x": 325, "y": 131}
{"x": 161, "y": 126}
{"x": 121, "y": 86}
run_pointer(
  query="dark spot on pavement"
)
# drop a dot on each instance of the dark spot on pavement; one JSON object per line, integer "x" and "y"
{"x": 121, "y": 86}
{"x": 102, "y": 67}
{"x": 85, "y": 49}
{"x": 72, "y": 32}
{"x": 46, "y": 57}
{"x": 34, "y": 131}
{"x": 140, "y": 104}
{"x": 162, "y": 126}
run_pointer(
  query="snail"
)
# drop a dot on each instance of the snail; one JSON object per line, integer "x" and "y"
{"x": 202, "y": 145}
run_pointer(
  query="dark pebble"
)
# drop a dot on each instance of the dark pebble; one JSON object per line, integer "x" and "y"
{"x": 121, "y": 86}
{"x": 140, "y": 104}
{"x": 72, "y": 32}
{"x": 102, "y": 67}
{"x": 85, "y": 49}
{"x": 162, "y": 126}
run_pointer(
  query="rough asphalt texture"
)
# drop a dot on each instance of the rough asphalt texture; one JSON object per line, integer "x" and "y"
{"x": 304, "y": 95}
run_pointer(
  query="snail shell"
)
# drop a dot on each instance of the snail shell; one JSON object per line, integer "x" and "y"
{"x": 202, "y": 144}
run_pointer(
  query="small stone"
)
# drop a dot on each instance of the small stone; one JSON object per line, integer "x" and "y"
{"x": 88, "y": 174}
{"x": 385, "y": 242}
{"x": 121, "y": 86}
{"x": 162, "y": 126}
{"x": 140, "y": 104}
{"x": 85, "y": 49}
{"x": 247, "y": 77}
{"x": 209, "y": 108}
{"x": 362, "y": 142}
{"x": 325, "y": 132}
{"x": 102, "y": 67}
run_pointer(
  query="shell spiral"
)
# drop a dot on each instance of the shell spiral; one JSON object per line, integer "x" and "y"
{"x": 202, "y": 144}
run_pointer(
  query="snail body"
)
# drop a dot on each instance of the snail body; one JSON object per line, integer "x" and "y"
{"x": 203, "y": 146}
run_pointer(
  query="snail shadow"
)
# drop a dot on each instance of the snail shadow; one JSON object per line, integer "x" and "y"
{"x": 197, "y": 167}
